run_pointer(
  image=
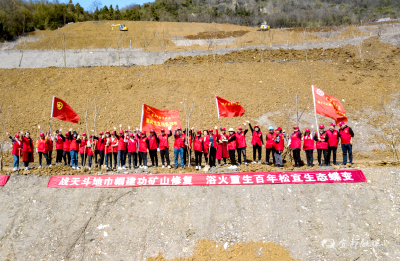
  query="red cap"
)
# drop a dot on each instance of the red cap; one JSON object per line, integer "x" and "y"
{"x": 107, "y": 132}
{"x": 162, "y": 130}
{"x": 91, "y": 135}
{"x": 296, "y": 127}
{"x": 333, "y": 124}
{"x": 178, "y": 129}
{"x": 223, "y": 129}
{"x": 84, "y": 134}
{"x": 101, "y": 133}
{"x": 126, "y": 130}
{"x": 67, "y": 134}
{"x": 143, "y": 132}
{"x": 41, "y": 134}
{"x": 322, "y": 126}
{"x": 130, "y": 134}
{"x": 113, "y": 132}
{"x": 121, "y": 132}
{"x": 199, "y": 131}
{"x": 278, "y": 129}
{"x": 257, "y": 126}
{"x": 48, "y": 131}
{"x": 16, "y": 136}
{"x": 341, "y": 123}
{"x": 307, "y": 130}
{"x": 210, "y": 130}
{"x": 240, "y": 128}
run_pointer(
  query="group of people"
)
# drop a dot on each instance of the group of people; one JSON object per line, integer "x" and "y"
{"x": 129, "y": 149}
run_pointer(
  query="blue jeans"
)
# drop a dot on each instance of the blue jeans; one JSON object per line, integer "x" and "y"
{"x": 16, "y": 161}
{"x": 74, "y": 158}
{"x": 347, "y": 148}
{"x": 178, "y": 152}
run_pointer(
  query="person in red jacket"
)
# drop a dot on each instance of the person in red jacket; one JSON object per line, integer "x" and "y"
{"x": 198, "y": 147}
{"x": 179, "y": 145}
{"x": 322, "y": 145}
{"x": 27, "y": 149}
{"x": 333, "y": 142}
{"x": 144, "y": 145}
{"x": 90, "y": 144}
{"x": 279, "y": 145}
{"x": 122, "y": 142}
{"x": 133, "y": 144}
{"x": 74, "y": 148}
{"x": 211, "y": 140}
{"x": 222, "y": 147}
{"x": 42, "y": 149}
{"x": 164, "y": 146}
{"x": 83, "y": 150}
{"x": 308, "y": 146}
{"x": 113, "y": 149}
{"x": 66, "y": 149}
{"x": 16, "y": 150}
{"x": 153, "y": 146}
{"x": 100, "y": 146}
{"x": 232, "y": 148}
{"x": 50, "y": 140}
{"x": 59, "y": 140}
{"x": 269, "y": 145}
{"x": 295, "y": 145}
{"x": 346, "y": 139}
{"x": 257, "y": 142}
{"x": 241, "y": 144}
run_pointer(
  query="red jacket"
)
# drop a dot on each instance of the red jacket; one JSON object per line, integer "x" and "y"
{"x": 345, "y": 136}
{"x": 308, "y": 142}
{"x": 256, "y": 138}
{"x": 143, "y": 144}
{"x": 82, "y": 147}
{"x": 49, "y": 144}
{"x": 163, "y": 141}
{"x": 26, "y": 144}
{"x": 232, "y": 144}
{"x": 280, "y": 146}
{"x": 333, "y": 139}
{"x": 73, "y": 145}
{"x": 133, "y": 145}
{"x": 179, "y": 141}
{"x": 42, "y": 145}
{"x": 241, "y": 140}
{"x": 295, "y": 140}
{"x": 16, "y": 147}
{"x": 66, "y": 145}
{"x": 198, "y": 143}
{"x": 59, "y": 143}
{"x": 100, "y": 144}
{"x": 153, "y": 142}
{"x": 269, "y": 140}
{"x": 121, "y": 143}
{"x": 324, "y": 143}
{"x": 112, "y": 142}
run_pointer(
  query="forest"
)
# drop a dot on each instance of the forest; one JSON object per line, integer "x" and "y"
{"x": 18, "y": 16}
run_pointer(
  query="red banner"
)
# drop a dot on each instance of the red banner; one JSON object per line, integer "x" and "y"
{"x": 228, "y": 109}
{"x": 201, "y": 179}
{"x": 3, "y": 180}
{"x": 62, "y": 111}
{"x": 328, "y": 106}
{"x": 156, "y": 119}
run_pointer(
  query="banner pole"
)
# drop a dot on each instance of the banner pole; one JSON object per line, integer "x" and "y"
{"x": 141, "y": 120}
{"x": 315, "y": 109}
{"x": 219, "y": 120}
{"x": 51, "y": 116}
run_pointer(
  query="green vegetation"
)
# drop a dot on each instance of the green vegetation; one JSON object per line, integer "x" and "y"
{"x": 18, "y": 16}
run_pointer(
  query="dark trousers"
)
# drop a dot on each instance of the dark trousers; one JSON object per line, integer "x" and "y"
{"x": 101, "y": 158}
{"x": 213, "y": 154}
{"x": 347, "y": 148}
{"x": 153, "y": 157}
{"x": 332, "y": 151}
{"x": 109, "y": 159}
{"x": 219, "y": 161}
{"x": 143, "y": 155}
{"x": 241, "y": 151}
{"x": 96, "y": 152}
{"x": 115, "y": 154}
{"x": 269, "y": 152}
{"x": 26, "y": 163}
{"x": 132, "y": 158}
{"x": 67, "y": 155}
{"x": 121, "y": 158}
{"x": 232, "y": 157}
{"x": 50, "y": 153}
{"x": 185, "y": 152}
{"x": 256, "y": 148}
{"x": 59, "y": 155}
{"x": 296, "y": 157}
{"x": 165, "y": 154}
{"x": 83, "y": 159}
{"x": 310, "y": 157}
{"x": 140, "y": 159}
{"x": 197, "y": 157}
{"x": 90, "y": 160}
{"x": 320, "y": 152}
{"x": 45, "y": 156}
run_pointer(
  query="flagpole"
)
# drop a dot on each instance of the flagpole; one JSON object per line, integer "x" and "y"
{"x": 315, "y": 109}
{"x": 51, "y": 116}
{"x": 216, "y": 100}
{"x": 141, "y": 120}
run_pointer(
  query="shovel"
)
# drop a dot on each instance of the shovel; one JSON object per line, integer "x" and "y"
{"x": 207, "y": 167}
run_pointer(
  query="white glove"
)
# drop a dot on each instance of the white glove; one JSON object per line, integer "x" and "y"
{"x": 158, "y": 149}
{"x": 169, "y": 127}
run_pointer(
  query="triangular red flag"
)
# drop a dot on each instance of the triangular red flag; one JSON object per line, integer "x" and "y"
{"x": 228, "y": 109}
{"x": 62, "y": 111}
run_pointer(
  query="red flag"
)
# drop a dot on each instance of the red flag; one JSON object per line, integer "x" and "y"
{"x": 228, "y": 109}
{"x": 62, "y": 111}
{"x": 155, "y": 119}
{"x": 328, "y": 106}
